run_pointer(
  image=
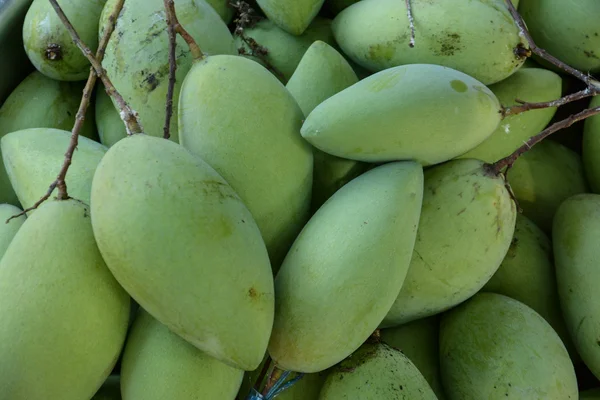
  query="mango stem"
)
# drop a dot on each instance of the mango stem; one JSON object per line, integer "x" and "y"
{"x": 172, "y": 20}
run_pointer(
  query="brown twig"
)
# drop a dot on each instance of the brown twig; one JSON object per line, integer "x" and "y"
{"x": 128, "y": 115}
{"x": 263, "y": 374}
{"x": 172, "y": 67}
{"x": 197, "y": 54}
{"x": 411, "y": 23}
{"x": 525, "y": 106}
{"x": 273, "y": 378}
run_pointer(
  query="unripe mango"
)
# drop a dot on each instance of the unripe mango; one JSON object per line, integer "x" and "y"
{"x": 477, "y": 37}
{"x": 33, "y": 158}
{"x": 137, "y": 55}
{"x": 254, "y": 144}
{"x": 48, "y": 43}
{"x": 345, "y": 269}
{"x": 576, "y": 231}
{"x": 292, "y": 16}
{"x": 158, "y": 364}
{"x": 534, "y": 85}
{"x": 64, "y": 316}
{"x": 8, "y": 230}
{"x": 424, "y": 112}
{"x": 543, "y": 178}
{"x": 494, "y": 347}
{"x": 180, "y": 240}
{"x": 465, "y": 230}
{"x": 111, "y": 128}
{"x": 223, "y": 8}
{"x": 375, "y": 372}
{"x": 591, "y": 148}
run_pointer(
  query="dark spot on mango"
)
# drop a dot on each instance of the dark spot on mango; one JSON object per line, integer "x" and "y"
{"x": 252, "y": 293}
{"x": 458, "y": 86}
{"x": 54, "y": 52}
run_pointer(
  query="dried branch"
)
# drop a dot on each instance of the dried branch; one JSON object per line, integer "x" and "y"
{"x": 197, "y": 54}
{"x": 263, "y": 373}
{"x": 525, "y": 106}
{"x": 128, "y": 115}
{"x": 411, "y": 22}
{"x": 172, "y": 66}
{"x": 273, "y": 378}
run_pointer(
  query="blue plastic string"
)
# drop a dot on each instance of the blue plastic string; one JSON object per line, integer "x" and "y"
{"x": 279, "y": 387}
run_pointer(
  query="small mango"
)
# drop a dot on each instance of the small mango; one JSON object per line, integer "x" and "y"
{"x": 293, "y": 16}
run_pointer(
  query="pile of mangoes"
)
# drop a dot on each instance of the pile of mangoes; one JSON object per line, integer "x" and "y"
{"x": 327, "y": 211}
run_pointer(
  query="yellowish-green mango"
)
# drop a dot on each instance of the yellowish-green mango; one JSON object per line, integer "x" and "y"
{"x": 346, "y": 267}
{"x": 466, "y": 227}
{"x": 567, "y": 29}
{"x": 111, "y": 128}
{"x": 33, "y": 158}
{"x": 284, "y": 50}
{"x": 575, "y": 234}
{"x": 158, "y": 364}
{"x": 534, "y": 85}
{"x": 375, "y": 372}
{"x": 591, "y": 148}
{"x": 137, "y": 55}
{"x": 527, "y": 274}
{"x": 64, "y": 316}
{"x": 418, "y": 340}
{"x": 477, "y": 37}
{"x": 242, "y": 121}
{"x": 180, "y": 240}
{"x": 494, "y": 347}
{"x": 293, "y": 16}
{"x": 48, "y": 43}
{"x": 424, "y": 112}
{"x": 110, "y": 390}
{"x": 8, "y": 230}
{"x": 590, "y": 394}
{"x": 544, "y": 177}
{"x": 223, "y": 8}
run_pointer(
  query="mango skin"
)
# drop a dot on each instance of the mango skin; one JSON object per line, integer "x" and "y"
{"x": 292, "y": 16}
{"x": 528, "y": 84}
{"x": 376, "y": 371}
{"x": 418, "y": 340}
{"x": 42, "y": 29}
{"x": 10, "y": 229}
{"x": 137, "y": 55}
{"x": 64, "y": 318}
{"x": 466, "y": 227}
{"x": 424, "y": 112}
{"x": 591, "y": 148}
{"x": 543, "y": 178}
{"x": 345, "y": 269}
{"x": 177, "y": 202}
{"x": 111, "y": 128}
{"x": 575, "y": 244}
{"x": 494, "y": 347}
{"x": 376, "y": 34}
{"x": 33, "y": 158}
{"x": 527, "y": 274}
{"x": 222, "y": 8}
{"x": 158, "y": 364}
{"x": 567, "y": 29}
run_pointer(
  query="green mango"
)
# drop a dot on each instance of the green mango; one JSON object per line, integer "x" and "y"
{"x": 567, "y": 29}
{"x": 424, "y": 112}
{"x": 111, "y": 128}
{"x": 346, "y": 267}
{"x": 64, "y": 316}
{"x": 284, "y": 50}
{"x": 48, "y": 44}
{"x": 33, "y": 158}
{"x": 591, "y": 148}
{"x": 158, "y": 364}
{"x": 544, "y": 177}
{"x": 590, "y": 394}
{"x": 41, "y": 102}
{"x": 418, "y": 340}
{"x": 527, "y": 274}
{"x": 293, "y": 16}
{"x": 254, "y": 144}
{"x": 110, "y": 390}
{"x": 223, "y": 8}
{"x": 477, "y": 37}
{"x": 466, "y": 227}
{"x": 376, "y": 372}
{"x": 575, "y": 243}
{"x": 528, "y": 84}
{"x": 494, "y": 347}
{"x": 137, "y": 55}
{"x": 8, "y": 230}
{"x": 180, "y": 240}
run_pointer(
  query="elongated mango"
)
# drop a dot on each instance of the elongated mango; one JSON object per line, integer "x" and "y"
{"x": 111, "y": 128}
{"x": 466, "y": 227}
{"x": 346, "y": 267}
{"x": 591, "y": 148}
{"x": 33, "y": 158}
{"x": 158, "y": 364}
{"x": 575, "y": 234}
{"x": 477, "y": 37}
{"x": 494, "y": 347}
{"x": 180, "y": 240}
{"x": 375, "y": 372}
{"x": 8, "y": 230}
{"x": 48, "y": 43}
{"x": 137, "y": 55}
{"x": 64, "y": 316}
{"x": 254, "y": 144}
{"x": 424, "y": 112}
